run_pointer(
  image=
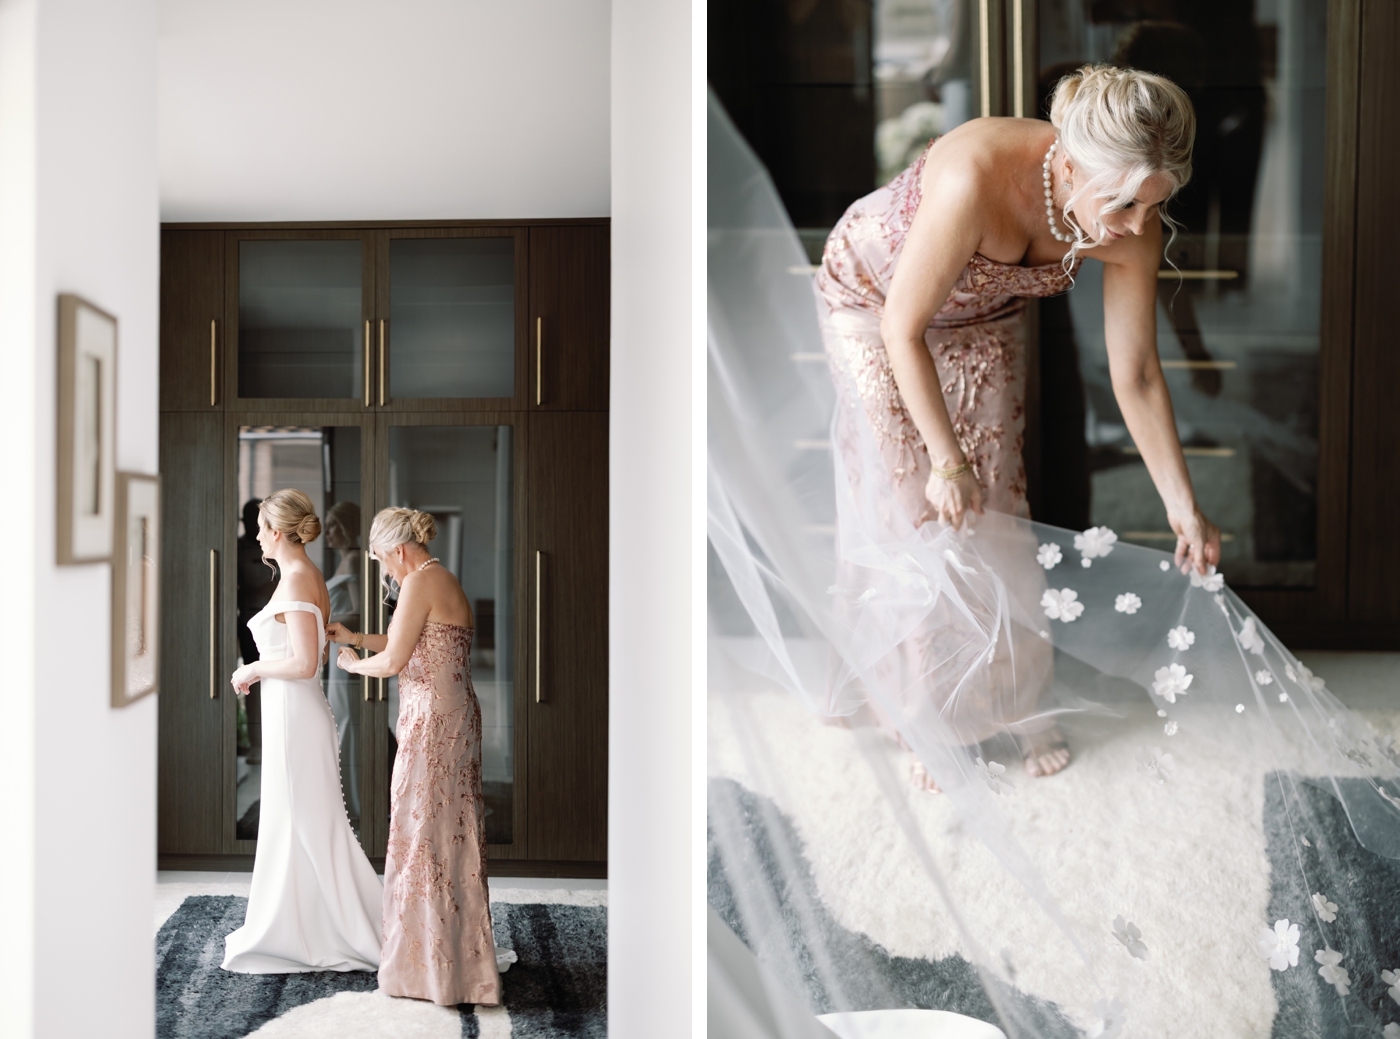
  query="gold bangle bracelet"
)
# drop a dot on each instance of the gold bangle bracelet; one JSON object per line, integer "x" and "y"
{"x": 954, "y": 472}
{"x": 359, "y": 640}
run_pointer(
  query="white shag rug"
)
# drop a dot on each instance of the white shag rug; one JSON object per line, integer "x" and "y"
{"x": 1185, "y": 862}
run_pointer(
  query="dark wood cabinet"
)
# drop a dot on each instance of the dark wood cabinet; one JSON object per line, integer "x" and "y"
{"x": 569, "y": 317}
{"x": 567, "y": 701}
{"x": 192, "y": 340}
{"x": 341, "y": 334}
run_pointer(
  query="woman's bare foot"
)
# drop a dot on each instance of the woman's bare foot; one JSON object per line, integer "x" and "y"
{"x": 918, "y": 775}
{"x": 1044, "y": 753}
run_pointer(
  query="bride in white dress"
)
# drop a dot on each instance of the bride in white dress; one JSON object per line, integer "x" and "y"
{"x": 315, "y": 902}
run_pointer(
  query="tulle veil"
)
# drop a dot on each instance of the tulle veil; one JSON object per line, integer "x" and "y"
{"x": 1220, "y": 801}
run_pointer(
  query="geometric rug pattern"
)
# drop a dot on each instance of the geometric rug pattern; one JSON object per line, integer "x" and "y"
{"x": 556, "y": 989}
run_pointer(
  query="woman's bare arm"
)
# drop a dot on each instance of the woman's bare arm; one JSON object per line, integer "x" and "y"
{"x": 1130, "y": 332}
{"x": 410, "y": 615}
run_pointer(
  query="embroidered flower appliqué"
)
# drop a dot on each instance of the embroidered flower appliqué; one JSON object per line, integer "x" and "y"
{"x": 1263, "y": 678}
{"x": 1049, "y": 555}
{"x": 1094, "y": 543}
{"x": 1210, "y": 580}
{"x": 1181, "y": 639}
{"x": 1127, "y": 603}
{"x": 1062, "y": 605}
{"x": 1152, "y": 762}
{"x": 1171, "y": 681}
{"x": 1250, "y": 638}
{"x": 1392, "y": 978}
{"x": 1131, "y": 937}
{"x": 1332, "y": 971}
{"x": 991, "y": 773}
{"x": 1170, "y": 728}
{"x": 1280, "y": 945}
{"x": 1112, "y": 1015}
{"x": 1164, "y": 566}
{"x": 1326, "y": 911}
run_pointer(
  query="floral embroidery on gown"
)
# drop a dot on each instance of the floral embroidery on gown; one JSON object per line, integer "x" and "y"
{"x": 437, "y": 913}
{"x": 977, "y": 340}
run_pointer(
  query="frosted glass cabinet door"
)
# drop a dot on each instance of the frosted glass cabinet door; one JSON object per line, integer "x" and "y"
{"x": 301, "y": 318}
{"x": 453, "y": 319}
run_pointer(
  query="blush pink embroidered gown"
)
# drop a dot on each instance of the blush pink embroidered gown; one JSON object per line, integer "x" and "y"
{"x": 437, "y": 913}
{"x": 977, "y": 340}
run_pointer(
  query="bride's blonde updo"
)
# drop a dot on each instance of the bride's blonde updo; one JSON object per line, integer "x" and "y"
{"x": 397, "y": 526}
{"x": 1118, "y": 127}
{"x": 292, "y": 513}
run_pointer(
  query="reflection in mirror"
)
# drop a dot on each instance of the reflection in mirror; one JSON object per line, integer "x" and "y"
{"x": 300, "y": 327}
{"x": 462, "y": 476}
{"x": 324, "y": 464}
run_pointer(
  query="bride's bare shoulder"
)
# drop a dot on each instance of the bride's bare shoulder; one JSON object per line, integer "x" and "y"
{"x": 304, "y": 584}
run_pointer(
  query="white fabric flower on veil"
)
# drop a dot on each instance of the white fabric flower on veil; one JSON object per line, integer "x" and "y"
{"x": 1250, "y": 638}
{"x": 1326, "y": 911}
{"x": 1210, "y": 580}
{"x": 1094, "y": 543}
{"x": 1112, "y": 1015}
{"x": 1131, "y": 936}
{"x": 1062, "y": 605}
{"x": 1391, "y": 1031}
{"x": 1309, "y": 680}
{"x": 1152, "y": 762}
{"x": 1264, "y": 678}
{"x": 1171, "y": 681}
{"x": 1127, "y": 603}
{"x": 1332, "y": 971}
{"x": 1392, "y": 978}
{"x": 1049, "y": 555}
{"x": 1280, "y": 945}
{"x": 991, "y": 773}
{"x": 1181, "y": 638}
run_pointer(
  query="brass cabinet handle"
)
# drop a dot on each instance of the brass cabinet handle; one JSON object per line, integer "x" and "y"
{"x": 369, "y": 375}
{"x": 213, "y": 363}
{"x": 539, "y": 360}
{"x": 213, "y": 624}
{"x": 382, "y": 391}
{"x": 539, "y": 624}
{"x": 364, "y": 605}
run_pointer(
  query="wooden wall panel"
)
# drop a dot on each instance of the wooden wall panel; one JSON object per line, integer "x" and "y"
{"x": 191, "y": 297}
{"x": 569, "y": 288}
{"x": 568, "y": 730}
{"x": 1374, "y": 586}
{"x": 191, "y": 770}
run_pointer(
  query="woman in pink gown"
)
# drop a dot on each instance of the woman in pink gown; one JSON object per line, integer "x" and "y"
{"x": 921, "y": 298}
{"x": 437, "y": 912}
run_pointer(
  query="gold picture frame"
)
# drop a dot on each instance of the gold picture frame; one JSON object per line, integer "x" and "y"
{"x": 87, "y": 430}
{"x": 136, "y": 588}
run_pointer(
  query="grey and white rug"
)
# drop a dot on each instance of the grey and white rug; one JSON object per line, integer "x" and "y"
{"x": 1193, "y": 866}
{"x": 556, "y": 990}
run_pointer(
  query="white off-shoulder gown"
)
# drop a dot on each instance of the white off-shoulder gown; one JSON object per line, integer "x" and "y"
{"x": 315, "y": 901}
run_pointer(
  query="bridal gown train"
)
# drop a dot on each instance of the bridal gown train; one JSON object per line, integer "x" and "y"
{"x": 315, "y": 899}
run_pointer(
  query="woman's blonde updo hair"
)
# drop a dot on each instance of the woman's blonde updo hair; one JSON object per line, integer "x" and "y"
{"x": 292, "y": 513}
{"x": 1118, "y": 127}
{"x": 346, "y": 515}
{"x": 397, "y": 526}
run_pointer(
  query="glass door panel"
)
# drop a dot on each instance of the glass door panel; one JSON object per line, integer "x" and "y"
{"x": 324, "y": 462}
{"x": 1239, "y": 327}
{"x": 463, "y": 476}
{"x": 300, "y": 318}
{"x": 452, "y": 317}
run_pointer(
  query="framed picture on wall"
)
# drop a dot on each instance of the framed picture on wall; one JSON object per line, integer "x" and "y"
{"x": 87, "y": 400}
{"x": 136, "y": 588}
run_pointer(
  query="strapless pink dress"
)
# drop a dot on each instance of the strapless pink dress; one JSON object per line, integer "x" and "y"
{"x": 437, "y": 911}
{"x": 977, "y": 341}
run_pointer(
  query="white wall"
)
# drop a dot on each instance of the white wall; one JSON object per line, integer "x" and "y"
{"x": 652, "y": 813}
{"x": 375, "y": 110}
{"x": 78, "y": 213}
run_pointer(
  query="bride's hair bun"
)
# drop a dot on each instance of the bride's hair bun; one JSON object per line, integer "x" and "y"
{"x": 396, "y": 526}
{"x": 424, "y": 527}
{"x": 291, "y": 512}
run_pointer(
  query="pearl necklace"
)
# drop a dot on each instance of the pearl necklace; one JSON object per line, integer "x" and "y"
{"x": 1049, "y": 201}
{"x": 428, "y": 563}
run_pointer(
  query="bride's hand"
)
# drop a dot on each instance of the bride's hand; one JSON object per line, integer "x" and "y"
{"x": 244, "y": 677}
{"x": 951, "y": 500}
{"x": 1197, "y": 541}
{"x": 346, "y": 659}
{"x": 339, "y": 633}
